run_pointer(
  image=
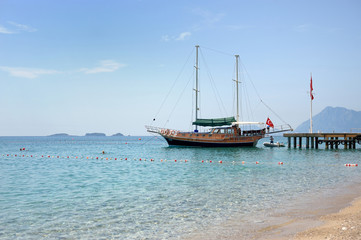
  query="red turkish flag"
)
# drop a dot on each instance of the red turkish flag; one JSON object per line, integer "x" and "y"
{"x": 270, "y": 123}
{"x": 311, "y": 89}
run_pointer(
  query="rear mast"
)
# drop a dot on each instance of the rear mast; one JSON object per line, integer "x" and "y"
{"x": 196, "y": 89}
{"x": 237, "y": 56}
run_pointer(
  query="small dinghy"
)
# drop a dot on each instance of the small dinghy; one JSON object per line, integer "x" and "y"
{"x": 277, "y": 144}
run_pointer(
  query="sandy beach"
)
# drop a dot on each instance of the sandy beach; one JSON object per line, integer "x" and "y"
{"x": 329, "y": 217}
{"x": 345, "y": 224}
{"x": 335, "y": 214}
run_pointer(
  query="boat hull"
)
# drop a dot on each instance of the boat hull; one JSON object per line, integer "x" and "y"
{"x": 201, "y": 143}
{"x": 267, "y": 144}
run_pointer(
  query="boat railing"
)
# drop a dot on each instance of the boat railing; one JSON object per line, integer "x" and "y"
{"x": 162, "y": 131}
{"x": 279, "y": 128}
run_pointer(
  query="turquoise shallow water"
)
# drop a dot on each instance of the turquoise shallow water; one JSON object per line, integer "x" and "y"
{"x": 45, "y": 194}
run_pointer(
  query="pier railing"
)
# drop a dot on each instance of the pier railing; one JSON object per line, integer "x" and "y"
{"x": 331, "y": 140}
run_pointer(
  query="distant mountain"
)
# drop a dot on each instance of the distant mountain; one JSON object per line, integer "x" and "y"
{"x": 117, "y": 135}
{"x": 95, "y": 135}
{"x": 60, "y": 135}
{"x": 333, "y": 119}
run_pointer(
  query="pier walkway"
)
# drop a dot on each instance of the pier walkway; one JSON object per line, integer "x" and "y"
{"x": 331, "y": 140}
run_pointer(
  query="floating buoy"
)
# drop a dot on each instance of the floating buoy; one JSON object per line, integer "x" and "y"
{"x": 351, "y": 165}
{"x": 115, "y": 158}
{"x": 257, "y": 162}
{"x": 97, "y": 158}
{"x": 220, "y": 161}
{"x": 210, "y": 161}
{"x": 280, "y": 163}
{"x": 175, "y": 160}
{"x": 202, "y": 161}
{"x": 139, "y": 139}
{"x": 242, "y": 162}
{"x": 186, "y": 160}
{"x": 125, "y": 158}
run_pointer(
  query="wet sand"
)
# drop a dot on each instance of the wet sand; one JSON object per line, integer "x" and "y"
{"x": 334, "y": 214}
{"x": 345, "y": 224}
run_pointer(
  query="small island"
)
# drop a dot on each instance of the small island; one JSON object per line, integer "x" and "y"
{"x": 118, "y": 135}
{"x": 60, "y": 135}
{"x": 95, "y": 135}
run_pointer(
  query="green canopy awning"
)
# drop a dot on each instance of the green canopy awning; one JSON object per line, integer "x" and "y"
{"x": 214, "y": 122}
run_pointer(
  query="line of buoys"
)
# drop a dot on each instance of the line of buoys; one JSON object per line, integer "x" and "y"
{"x": 150, "y": 159}
{"x": 351, "y": 165}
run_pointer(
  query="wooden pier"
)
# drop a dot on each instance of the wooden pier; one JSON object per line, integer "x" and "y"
{"x": 331, "y": 140}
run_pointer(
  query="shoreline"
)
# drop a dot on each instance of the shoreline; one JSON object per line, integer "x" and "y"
{"x": 333, "y": 217}
{"x": 331, "y": 214}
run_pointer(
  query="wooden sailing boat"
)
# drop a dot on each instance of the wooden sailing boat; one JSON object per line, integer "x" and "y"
{"x": 224, "y": 132}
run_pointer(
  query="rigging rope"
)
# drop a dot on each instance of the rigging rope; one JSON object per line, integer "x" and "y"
{"x": 216, "y": 93}
{"x": 174, "y": 83}
{"x": 260, "y": 96}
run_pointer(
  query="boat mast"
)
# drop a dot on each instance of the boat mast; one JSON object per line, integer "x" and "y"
{"x": 197, "y": 108}
{"x": 237, "y": 56}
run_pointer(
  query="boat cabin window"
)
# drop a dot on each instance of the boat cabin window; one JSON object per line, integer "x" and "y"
{"x": 224, "y": 130}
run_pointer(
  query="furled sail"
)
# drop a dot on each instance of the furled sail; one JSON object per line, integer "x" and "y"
{"x": 214, "y": 122}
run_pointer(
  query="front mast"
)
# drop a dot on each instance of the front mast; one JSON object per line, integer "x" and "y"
{"x": 237, "y": 56}
{"x": 197, "y": 108}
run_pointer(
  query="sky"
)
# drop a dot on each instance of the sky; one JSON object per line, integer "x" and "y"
{"x": 82, "y": 66}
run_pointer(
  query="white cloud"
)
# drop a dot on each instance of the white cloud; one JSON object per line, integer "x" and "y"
{"x": 23, "y": 27}
{"x": 165, "y": 38}
{"x": 183, "y": 36}
{"x": 27, "y": 72}
{"x": 208, "y": 17}
{"x": 5, "y": 30}
{"x": 16, "y": 28}
{"x": 302, "y": 28}
{"x": 104, "y": 66}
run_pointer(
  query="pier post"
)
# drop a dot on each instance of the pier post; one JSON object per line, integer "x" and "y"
{"x": 326, "y": 143}
{"x": 331, "y": 143}
{"x": 307, "y": 142}
{"x": 312, "y": 142}
{"x": 353, "y": 143}
{"x": 300, "y": 142}
{"x": 295, "y": 142}
{"x": 289, "y": 142}
{"x": 336, "y": 143}
{"x": 316, "y": 142}
{"x": 346, "y": 143}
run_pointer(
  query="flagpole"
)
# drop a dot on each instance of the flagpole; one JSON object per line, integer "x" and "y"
{"x": 311, "y": 105}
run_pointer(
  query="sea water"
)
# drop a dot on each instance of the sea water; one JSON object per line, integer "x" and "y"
{"x": 142, "y": 189}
